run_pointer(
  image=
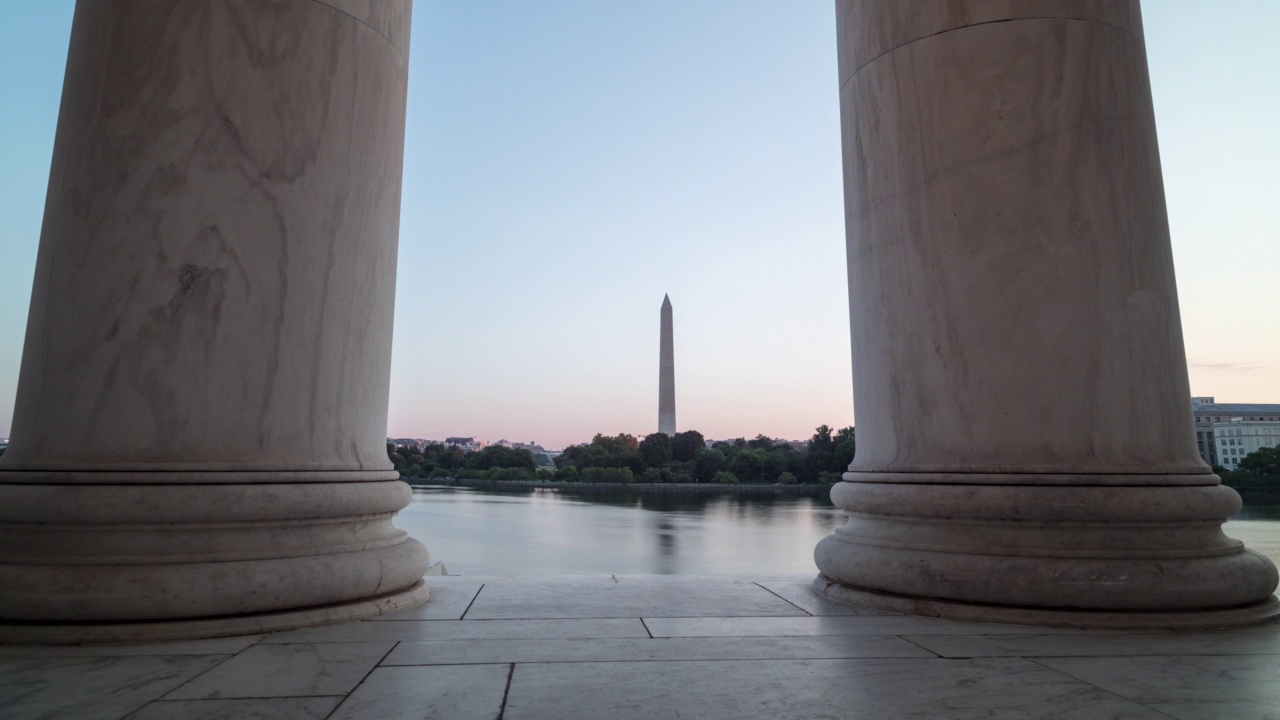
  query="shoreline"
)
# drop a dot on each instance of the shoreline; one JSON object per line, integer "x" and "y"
{"x": 1264, "y": 498}
{"x": 819, "y": 490}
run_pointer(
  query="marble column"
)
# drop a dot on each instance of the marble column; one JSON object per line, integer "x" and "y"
{"x": 1025, "y": 443}
{"x": 198, "y": 444}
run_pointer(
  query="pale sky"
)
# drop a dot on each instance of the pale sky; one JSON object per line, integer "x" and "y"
{"x": 569, "y": 161}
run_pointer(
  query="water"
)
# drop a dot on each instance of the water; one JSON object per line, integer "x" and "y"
{"x": 1258, "y": 525}
{"x": 548, "y": 532}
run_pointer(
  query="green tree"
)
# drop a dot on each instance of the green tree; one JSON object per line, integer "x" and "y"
{"x": 725, "y": 478}
{"x": 787, "y": 478}
{"x": 822, "y": 442}
{"x": 616, "y": 476}
{"x": 829, "y": 452}
{"x": 630, "y": 459}
{"x": 1263, "y": 461}
{"x": 655, "y": 450}
{"x": 592, "y": 456}
{"x": 616, "y": 444}
{"x": 708, "y": 462}
{"x": 751, "y": 466}
{"x": 497, "y": 456}
{"x": 685, "y": 445}
{"x": 846, "y": 447}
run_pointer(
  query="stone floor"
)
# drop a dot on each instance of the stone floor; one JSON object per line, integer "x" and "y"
{"x": 653, "y": 647}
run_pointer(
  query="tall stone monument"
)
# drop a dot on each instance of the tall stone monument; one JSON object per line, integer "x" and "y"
{"x": 199, "y": 433}
{"x": 666, "y": 374}
{"x": 1025, "y": 445}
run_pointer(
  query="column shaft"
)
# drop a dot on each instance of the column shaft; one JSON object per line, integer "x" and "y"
{"x": 201, "y": 414}
{"x": 1024, "y": 433}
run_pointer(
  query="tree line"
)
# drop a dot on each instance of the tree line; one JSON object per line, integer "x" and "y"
{"x": 655, "y": 458}
{"x": 1257, "y": 472}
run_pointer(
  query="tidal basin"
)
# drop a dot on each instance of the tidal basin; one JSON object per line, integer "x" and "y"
{"x": 750, "y": 531}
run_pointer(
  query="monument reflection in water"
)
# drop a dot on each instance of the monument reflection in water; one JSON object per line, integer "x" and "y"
{"x": 547, "y": 532}
{"x": 755, "y": 532}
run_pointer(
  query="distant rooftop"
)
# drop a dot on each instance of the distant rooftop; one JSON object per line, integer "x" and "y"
{"x": 1239, "y": 408}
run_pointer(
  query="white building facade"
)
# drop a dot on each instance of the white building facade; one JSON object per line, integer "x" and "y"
{"x": 1239, "y": 437}
{"x": 1209, "y": 414}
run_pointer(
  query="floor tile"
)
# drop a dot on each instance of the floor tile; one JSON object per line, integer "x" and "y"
{"x": 846, "y": 625}
{"x": 1234, "y": 710}
{"x": 633, "y": 649}
{"x": 801, "y": 594}
{"x": 463, "y": 630}
{"x": 1098, "y": 644}
{"x": 627, "y": 596}
{"x": 994, "y": 689}
{"x": 1246, "y": 680}
{"x": 266, "y": 671}
{"x": 91, "y": 687}
{"x": 456, "y": 692}
{"x": 448, "y": 601}
{"x": 304, "y": 708}
{"x": 216, "y": 646}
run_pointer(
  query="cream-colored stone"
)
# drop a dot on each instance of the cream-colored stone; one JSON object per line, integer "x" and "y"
{"x": 215, "y": 279}
{"x": 199, "y": 429}
{"x": 1012, "y": 289}
{"x": 871, "y": 28}
{"x": 1024, "y": 422}
{"x": 388, "y": 19}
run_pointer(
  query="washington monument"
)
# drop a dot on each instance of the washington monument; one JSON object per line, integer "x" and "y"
{"x": 666, "y": 375}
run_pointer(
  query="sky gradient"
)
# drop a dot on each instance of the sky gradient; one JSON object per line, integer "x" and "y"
{"x": 567, "y": 162}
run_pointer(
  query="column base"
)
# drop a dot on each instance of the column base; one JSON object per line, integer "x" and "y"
{"x": 1075, "y": 555}
{"x": 140, "y": 632}
{"x": 1257, "y": 614}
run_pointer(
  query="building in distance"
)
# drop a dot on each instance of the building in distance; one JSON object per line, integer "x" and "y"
{"x": 466, "y": 444}
{"x": 1208, "y": 414}
{"x": 1238, "y": 437}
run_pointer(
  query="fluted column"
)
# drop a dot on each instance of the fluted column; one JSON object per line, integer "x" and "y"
{"x": 200, "y": 421}
{"x": 1025, "y": 444}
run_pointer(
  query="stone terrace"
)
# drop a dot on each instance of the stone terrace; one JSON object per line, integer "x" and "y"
{"x": 653, "y": 647}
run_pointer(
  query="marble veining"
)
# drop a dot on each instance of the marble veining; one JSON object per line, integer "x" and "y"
{"x": 215, "y": 281}
{"x": 199, "y": 429}
{"x": 1018, "y": 355}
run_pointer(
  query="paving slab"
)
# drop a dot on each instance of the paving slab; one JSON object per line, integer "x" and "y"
{"x": 1098, "y": 644}
{"x": 836, "y": 625}
{"x": 627, "y": 596}
{"x": 303, "y": 708}
{"x": 705, "y": 647}
{"x": 664, "y": 649}
{"x": 92, "y": 687}
{"x": 463, "y": 630}
{"x": 799, "y": 592}
{"x": 880, "y": 689}
{"x": 216, "y": 646}
{"x": 1225, "y": 710}
{"x": 266, "y": 671}
{"x": 1251, "y": 684}
{"x": 456, "y": 692}
{"x": 450, "y": 598}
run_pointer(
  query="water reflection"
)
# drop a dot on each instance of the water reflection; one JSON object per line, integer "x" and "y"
{"x": 548, "y": 532}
